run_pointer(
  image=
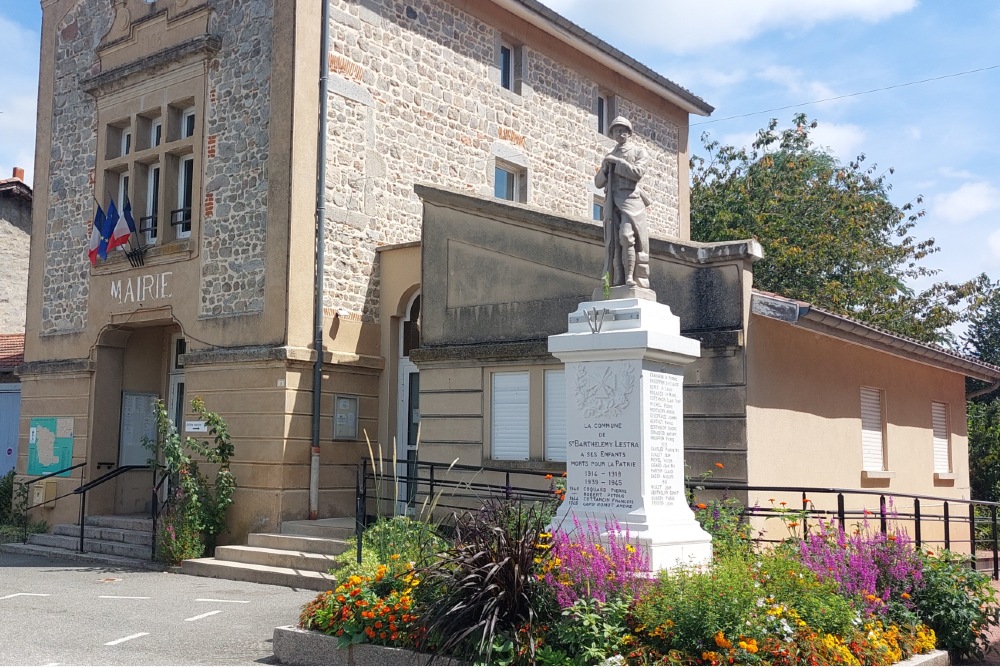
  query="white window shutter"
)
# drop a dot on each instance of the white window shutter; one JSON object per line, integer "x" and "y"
{"x": 872, "y": 430}
{"x": 555, "y": 415}
{"x": 510, "y": 416}
{"x": 939, "y": 422}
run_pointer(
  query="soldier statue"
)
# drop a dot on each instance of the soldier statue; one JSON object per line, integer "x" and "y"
{"x": 626, "y": 232}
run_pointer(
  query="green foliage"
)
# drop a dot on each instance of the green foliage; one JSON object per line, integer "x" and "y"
{"x": 7, "y": 516}
{"x": 958, "y": 603}
{"x": 589, "y": 633}
{"x": 723, "y": 519}
{"x": 390, "y": 540}
{"x": 483, "y": 592}
{"x": 831, "y": 236}
{"x": 820, "y": 604}
{"x": 984, "y": 449}
{"x": 197, "y": 513}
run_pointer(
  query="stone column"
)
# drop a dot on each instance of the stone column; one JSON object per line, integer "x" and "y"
{"x": 624, "y": 424}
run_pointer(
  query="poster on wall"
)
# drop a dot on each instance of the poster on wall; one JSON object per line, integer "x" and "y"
{"x": 50, "y": 445}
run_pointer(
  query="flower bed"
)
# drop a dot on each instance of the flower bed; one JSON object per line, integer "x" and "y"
{"x": 503, "y": 590}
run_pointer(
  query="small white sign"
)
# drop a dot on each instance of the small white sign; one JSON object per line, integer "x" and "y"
{"x": 195, "y": 427}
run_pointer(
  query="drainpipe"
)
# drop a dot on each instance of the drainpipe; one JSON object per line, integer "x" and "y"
{"x": 981, "y": 392}
{"x": 324, "y": 69}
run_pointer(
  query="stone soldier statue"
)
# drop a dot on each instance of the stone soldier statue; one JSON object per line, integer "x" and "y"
{"x": 626, "y": 232}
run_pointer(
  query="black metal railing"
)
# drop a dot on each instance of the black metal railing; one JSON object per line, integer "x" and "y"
{"x": 157, "y": 506}
{"x": 436, "y": 488}
{"x": 84, "y": 488}
{"x": 26, "y": 486}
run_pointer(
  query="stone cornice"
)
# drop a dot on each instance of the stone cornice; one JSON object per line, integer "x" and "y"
{"x": 203, "y": 46}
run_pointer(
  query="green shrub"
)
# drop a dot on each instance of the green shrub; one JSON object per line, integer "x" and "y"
{"x": 958, "y": 603}
{"x": 588, "y": 633}
{"x": 7, "y": 499}
{"x": 388, "y": 540}
{"x": 787, "y": 581}
{"x": 723, "y": 519}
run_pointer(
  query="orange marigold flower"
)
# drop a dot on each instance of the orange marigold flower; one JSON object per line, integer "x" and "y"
{"x": 719, "y": 466}
{"x": 793, "y": 524}
{"x": 701, "y": 506}
{"x": 782, "y": 503}
{"x": 564, "y": 474}
{"x": 770, "y": 500}
{"x": 905, "y": 596}
{"x": 721, "y": 641}
{"x": 549, "y": 476}
{"x": 891, "y": 538}
{"x": 806, "y": 500}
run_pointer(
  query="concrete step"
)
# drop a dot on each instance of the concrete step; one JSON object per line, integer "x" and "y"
{"x": 315, "y": 545}
{"x": 127, "y": 522}
{"x": 93, "y": 546}
{"x": 296, "y": 560}
{"x": 337, "y": 528}
{"x": 261, "y": 574}
{"x": 139, "y": 537}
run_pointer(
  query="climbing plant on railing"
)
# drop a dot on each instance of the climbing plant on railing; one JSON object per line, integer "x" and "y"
{"x": 196, "y": 513}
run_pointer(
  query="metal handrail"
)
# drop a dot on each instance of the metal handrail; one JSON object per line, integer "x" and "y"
{"x": 28, "y": 483}
{"x": 156, "y": 506}
{"x": 82, "y": 491}
{"x": 429, "y": 485}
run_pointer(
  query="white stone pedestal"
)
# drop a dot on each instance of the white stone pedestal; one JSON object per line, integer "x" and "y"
{"x": 624, "y": 426}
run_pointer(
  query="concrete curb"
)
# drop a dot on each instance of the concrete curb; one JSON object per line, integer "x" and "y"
{"x": 119, "y": 562}
{"x": 294, "y": 646}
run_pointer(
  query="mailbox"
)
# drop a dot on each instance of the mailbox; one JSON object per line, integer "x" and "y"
{"x": 44, "y": 493}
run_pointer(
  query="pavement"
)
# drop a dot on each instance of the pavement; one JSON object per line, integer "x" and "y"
{"x": 56, "y": 612}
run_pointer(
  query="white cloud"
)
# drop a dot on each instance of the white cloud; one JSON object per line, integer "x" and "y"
{"x": 968, "y": 202}
{"x": 846, "y": 140}
{"x": 994, "y": 241}
{"x": 796, "y": 83}
{"x": 18, "y": 103}
{"x": 684, "y": 27}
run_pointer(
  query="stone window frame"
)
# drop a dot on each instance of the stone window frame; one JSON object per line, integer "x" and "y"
{"x": 538, "y": 411}
{"x": 517, "y": 67}
{"x": 140, "y": 110}
{"x": 511, "y": 159}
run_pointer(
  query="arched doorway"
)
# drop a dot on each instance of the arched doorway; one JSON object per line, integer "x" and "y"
{"x": 408, "y": 405}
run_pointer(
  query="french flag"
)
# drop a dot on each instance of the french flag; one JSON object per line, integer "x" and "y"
{"x": 124, "y": 226}
{"x": 97, "y": 236}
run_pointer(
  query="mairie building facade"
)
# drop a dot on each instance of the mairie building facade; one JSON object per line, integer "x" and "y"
{"x": 204, "y": 115}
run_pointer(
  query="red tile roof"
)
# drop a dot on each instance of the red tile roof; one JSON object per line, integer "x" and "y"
{"x": 11, "y": 350}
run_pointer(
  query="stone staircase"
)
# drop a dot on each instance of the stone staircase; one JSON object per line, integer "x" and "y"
{"x": 299, "y": 556}
{"x": 122, "y": 536}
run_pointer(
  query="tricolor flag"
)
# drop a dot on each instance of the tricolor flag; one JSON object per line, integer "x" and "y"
{"x": 124, "y": 226}
{"x": 110, "y": 224}
{"x": 96, "y": 236}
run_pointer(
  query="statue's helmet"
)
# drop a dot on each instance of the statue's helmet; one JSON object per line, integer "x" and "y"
{"x": 624, "y": 122}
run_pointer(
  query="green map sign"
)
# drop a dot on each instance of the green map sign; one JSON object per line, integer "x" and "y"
{"x": 50, "y": 445}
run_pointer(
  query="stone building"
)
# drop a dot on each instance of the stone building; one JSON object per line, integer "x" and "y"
{"x": 204, "y": 116}
{"x": 458, "y": 231}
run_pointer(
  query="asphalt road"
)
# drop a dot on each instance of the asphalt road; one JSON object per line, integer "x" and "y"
{"x": 68, "y": 613}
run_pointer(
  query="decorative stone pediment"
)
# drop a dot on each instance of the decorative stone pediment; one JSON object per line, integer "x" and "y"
{"x": 141, "y": 29}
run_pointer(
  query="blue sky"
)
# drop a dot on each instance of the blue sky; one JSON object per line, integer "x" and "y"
{"x": 941, "y": 137}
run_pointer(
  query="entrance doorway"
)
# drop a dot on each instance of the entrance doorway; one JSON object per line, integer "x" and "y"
{"x": 408, "y": 408}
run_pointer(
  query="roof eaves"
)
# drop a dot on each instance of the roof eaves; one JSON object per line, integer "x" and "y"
{"x": 565, "y": 30}
{"x": 806, "y": 316}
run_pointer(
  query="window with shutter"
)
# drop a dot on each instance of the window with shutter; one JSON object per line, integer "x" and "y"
{"x": 510, "y": 416}
{"x": 942, "y": 443}
{"x": 872, "y": 430}
{"x": 555, "y": 415}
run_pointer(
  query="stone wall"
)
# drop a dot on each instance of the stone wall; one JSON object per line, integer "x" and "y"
{"x": 415, "y": 98}
{"x": 15, "y": 232}
{"x": 234, "y": 222}
{"x": 66, "y": 285}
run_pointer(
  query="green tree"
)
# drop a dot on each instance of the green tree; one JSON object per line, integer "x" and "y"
{"x": 831, "y": 236}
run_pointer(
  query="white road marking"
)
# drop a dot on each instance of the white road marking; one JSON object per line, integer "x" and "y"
{"x": 14, "y": 595}
{"x": 200, "y": 616}
{"x": 233, "y": 601}
{"x": 129, "y": 638}
{"x": 123, "y": 597}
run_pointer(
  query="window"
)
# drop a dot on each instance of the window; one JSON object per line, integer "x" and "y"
{"x": 510, "y": 412}
{"x": 122, "y": 191}
{"x": 126, "y": 146}
{"x": 873, "y": 454}
{"x": 180, "y": 217}
{"x": 510, "y": 183}
{"x": 148, "y": 223}
{"x": 555, "y": 415}
{"x": 187, "y": 123}
{"x": 507, "y": 66}
{"x": 604, "y": 109}
{"x": 598, "y": 211}
{"x": 941, "y": 437}
{"x": 156, "y": 133}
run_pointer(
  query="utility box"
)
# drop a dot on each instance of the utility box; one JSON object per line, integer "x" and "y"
{"x": 44, "y": 493}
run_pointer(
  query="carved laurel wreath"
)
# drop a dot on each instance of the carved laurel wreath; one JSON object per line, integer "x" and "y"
{"x": 602, "y": 391}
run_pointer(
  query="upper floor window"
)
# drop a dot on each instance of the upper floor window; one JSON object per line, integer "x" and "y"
{"x": 510, "y": 182}
{"x": 506, "y": 66}
{"x": 156, "y": 133}
{"x": 941, "y": 437}
{"x": 511, "y": 63}
{"x": 604, "y": 109}
{"x": 181, "y": 216}
{"x": 187, "y": 123}
{"x": 126, "y": 147}
{"x": 597, "y": 211}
